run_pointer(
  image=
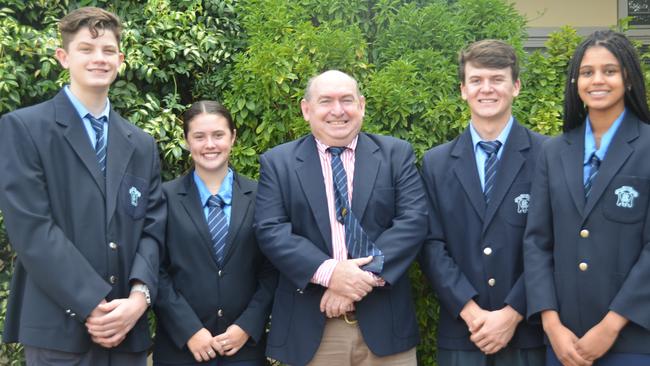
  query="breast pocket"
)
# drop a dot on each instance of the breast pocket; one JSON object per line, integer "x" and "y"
{"x": 516, "y": 203}
{"x": 626, "y": 199}
{"x": 133, "y": 196}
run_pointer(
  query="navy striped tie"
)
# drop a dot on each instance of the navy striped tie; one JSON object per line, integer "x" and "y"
{"x": 594, "y": 165}
{"x": 218, "y": 225}
{"x": 100, "y": 146}
{"x": 491, "y": 148}
{"x": 356, "y": 239}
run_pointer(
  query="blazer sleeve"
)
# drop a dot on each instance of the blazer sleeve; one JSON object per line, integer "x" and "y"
{"x": 295, "y": 256}
{"x": 254, "y": 318}
{"x": 147, "y": 257}
{"x": 538, "y": 244}
{"x": 174, "y": 312}
{"x": 53, "y": 262}
{"x": 401, "y": 243}
{"x": 450, "y": 283}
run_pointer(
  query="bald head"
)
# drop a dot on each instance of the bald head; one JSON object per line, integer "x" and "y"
{"x": 329, "y": 76}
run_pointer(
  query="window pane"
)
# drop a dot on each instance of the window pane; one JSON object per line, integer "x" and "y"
{"x": 640, "y": 11}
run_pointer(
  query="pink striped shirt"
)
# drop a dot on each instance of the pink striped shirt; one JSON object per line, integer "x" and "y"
{"x": 339, "y": 250}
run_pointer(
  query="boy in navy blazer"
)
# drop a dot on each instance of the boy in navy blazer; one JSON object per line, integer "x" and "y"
{"x": 478, "y": 188}
{"x": 80, "y": 193}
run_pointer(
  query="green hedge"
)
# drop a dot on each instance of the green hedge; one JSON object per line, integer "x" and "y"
{"x": 256, "y": 56}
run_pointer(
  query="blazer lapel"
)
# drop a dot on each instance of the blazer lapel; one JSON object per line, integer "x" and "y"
{"x": 310, "y": 176}
{"x": 241, "y": 204}
{"x": 572, "y": 158}
{"x": 465, "y": 170}
{"x": 511, "y": 163}
{"x": 366, "y": 166}
{"x": 192, "y": 203}
{"x": 76, "y": 135}
{"x": 118, "y": 155}
{"x": 618, "y": 152}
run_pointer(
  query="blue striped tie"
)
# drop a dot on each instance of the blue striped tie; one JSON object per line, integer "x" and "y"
{"x": 356, "y": 239}
{"x": 491, "y": 148}
{"x": 594, "y": 165}
{"x": 218, "y": 225}
{"x": 100, "y": 146}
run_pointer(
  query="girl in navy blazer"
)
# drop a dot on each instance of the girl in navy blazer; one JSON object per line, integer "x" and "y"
{"x": 587, "y": 241}
{"x": 215, "y": 287}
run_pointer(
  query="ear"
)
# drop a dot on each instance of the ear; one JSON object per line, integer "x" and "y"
{"x": 463, "y": 91}
{"x": 517, "y": 89}
{"x": 62, "y": 56}
{"x": 304, "y": 107}
{"x": 362, "y": 105}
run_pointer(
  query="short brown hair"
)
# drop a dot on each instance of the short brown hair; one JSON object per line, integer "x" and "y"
{"x": 97, "y": 20}
{"x": 491, "y": 54}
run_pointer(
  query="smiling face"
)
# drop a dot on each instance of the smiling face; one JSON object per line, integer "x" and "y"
{"x": 210, "y": 140}
{"x": 334, "y": 108}
{"x": 93, "y": 62}
{"x": 600, "y": 82}
{"x": 489, "y": 93}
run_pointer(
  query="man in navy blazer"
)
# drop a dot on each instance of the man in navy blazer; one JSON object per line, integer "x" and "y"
{"x": 473, "y": 254}
{"x": 327, "y": 309}
{"x": 84, "y": 212}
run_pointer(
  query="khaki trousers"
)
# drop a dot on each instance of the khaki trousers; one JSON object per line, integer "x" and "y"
{"x": 343, "y": 345}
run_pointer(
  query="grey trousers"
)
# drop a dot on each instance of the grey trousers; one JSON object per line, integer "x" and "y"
{"x": 96, "y": 356}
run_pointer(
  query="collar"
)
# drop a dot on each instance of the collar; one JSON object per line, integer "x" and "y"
{"x": 503, "y": 136}
{"x": 225, "y": 191}
{"x": 605, "y": 141}
{"x": 81, "y": 109}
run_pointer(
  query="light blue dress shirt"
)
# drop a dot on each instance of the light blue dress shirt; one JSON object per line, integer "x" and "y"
{"x": 225, "y": 192}
{"x": 480, "y": 155}
{"x": 590, "y": 143}
{"x": 83, "y": 111}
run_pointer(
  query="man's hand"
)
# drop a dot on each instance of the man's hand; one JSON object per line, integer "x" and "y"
{"x": 351, "y": 281}
{"x": 203, "y": 346}
{"x": 562, "y": 340}
{"x": 599, "y": 339}
{"x": 232, "y": 340}
{"x": 333, "y": 304}
{"x": 497, "y": 329}
{"x": 110, "y": 322}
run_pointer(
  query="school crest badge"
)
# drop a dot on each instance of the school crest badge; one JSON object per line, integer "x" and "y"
{"x": 625, "y": 196}
{"x": 135, "y": 196}
{"x": 522, "y": 201}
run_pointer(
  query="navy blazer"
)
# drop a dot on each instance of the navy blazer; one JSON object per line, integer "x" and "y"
{"x": 474, "y": 251}
{"x": 293, "y": 229}
{"x": 195, "y": 292}
{"x": 79, "y": 238}
{"x": 584, "y": 259}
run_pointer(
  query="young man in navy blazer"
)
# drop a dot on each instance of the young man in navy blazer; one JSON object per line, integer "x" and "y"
{"x": 332, "y": 306}
{"x": 80, "y": 193}
{"x": 478, "y": 187}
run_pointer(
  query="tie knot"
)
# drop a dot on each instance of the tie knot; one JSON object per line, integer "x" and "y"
{"x": 96, "y": 123}
{"x": 215, "y": 201}
{"x": 336, "y": 151}
{"x": 490, "y": 147}
{"x": 594, "y": 160}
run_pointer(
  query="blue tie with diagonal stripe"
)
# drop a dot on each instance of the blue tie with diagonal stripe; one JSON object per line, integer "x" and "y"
{"x": 100, "y": 146}
{"x": 594, "y": 165}
{"x": 491, "y": 148}
{"x": 218, "y": 225}
{"x": 356, "y": 239}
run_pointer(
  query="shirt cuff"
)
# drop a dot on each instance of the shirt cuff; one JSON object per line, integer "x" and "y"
{"x": 324, "y": 273}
